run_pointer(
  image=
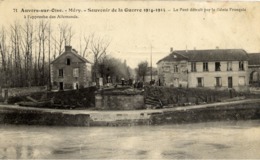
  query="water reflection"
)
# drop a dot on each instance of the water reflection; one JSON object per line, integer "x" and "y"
{"x": 17, "y": 152}
{"x": 201, "y": 140}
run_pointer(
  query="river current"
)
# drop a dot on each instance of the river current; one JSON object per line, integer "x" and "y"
{"x": 229, "y": 139}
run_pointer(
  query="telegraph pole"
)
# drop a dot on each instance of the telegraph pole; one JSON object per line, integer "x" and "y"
{"x": 151, "y": 63}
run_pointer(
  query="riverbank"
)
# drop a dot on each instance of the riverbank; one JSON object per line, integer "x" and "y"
{"x": 236, "y": 110}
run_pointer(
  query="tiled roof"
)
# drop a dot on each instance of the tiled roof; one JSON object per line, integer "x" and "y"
{"x": 254, "y": 59}
{"x": 173, "y": 57}
{"x": 210, "y": 55}
{"x": 74, "y": 53}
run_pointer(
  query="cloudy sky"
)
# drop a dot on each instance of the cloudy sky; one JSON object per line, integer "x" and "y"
{"x": 132, "y": 34}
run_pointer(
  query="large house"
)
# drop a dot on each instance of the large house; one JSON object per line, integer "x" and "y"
{"x": 70, "y": 70}
{"x": 215, "y": 69}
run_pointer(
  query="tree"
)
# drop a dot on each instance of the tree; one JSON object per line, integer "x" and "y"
{"x": 26, "y": 50}
{"x": 28, "y": 47}
{"x": 113, "y": 68}
{"x": 99, "y": 48}
{"x": 4, "y": 54}
{"x": 142, "y": 70}
{"x": 16, "y": 49}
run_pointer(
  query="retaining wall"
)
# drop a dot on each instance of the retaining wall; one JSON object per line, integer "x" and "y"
{"x": 243, "y": 111}
{"x": 119, "y": 100}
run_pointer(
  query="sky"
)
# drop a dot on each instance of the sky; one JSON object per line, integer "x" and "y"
{"x": 135, "y": 35}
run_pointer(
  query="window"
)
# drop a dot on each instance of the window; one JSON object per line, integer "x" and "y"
{"x": 241, "y": 81}
{"x": 60, "y": 73}
{"x": 175, "y": 69}
{"x": 193, "y": 66}
{"x": 241, "y": 66}
{"x": 76, "y": 72}
{"x": 218, "y": 82}
{"x": 68, "y": 61}
{"x": 205, "y": 66}
{"x": 166, "y": 68}
{"x": 229, "y": 66}
{"x": 200, "y": 82}
{"x": 217, "y": 66}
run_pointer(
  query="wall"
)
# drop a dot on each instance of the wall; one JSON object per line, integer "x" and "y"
{"x": 22, "y": 91}
{"x": 172, "y": 78}
{"x": 68, "y": 79}
{"x": 119, "y": 101}
{"x": 243, "y": 111}
{"x": 254, "y": 79}
{"x": 209, "y": 76}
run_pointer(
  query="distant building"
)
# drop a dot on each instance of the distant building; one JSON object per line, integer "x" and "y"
{"x": 215, "y": 69}
{"x": 70, "y": 71}
{"x": 254, "y": 68}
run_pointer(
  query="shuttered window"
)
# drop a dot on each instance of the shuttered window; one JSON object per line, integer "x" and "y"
{"x": 76, "y": 72}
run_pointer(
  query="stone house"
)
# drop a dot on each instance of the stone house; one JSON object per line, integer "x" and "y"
{"x": 70, "y": 71}
{"x": 215, "y": 69}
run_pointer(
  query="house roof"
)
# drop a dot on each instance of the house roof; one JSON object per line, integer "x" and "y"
{"x": 209, "y": 55}
{"x": 74, "y": 53}
{"x": 173, "y": 57}
{"x": 254, "y": 59}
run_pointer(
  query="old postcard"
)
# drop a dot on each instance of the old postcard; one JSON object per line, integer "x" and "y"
{"x": 129, "y": 79}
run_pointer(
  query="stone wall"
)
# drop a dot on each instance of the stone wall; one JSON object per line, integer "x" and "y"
{"x": 116, "y": 101}
{"x": 243, "y": 111}
{"x": 12, "y": 92}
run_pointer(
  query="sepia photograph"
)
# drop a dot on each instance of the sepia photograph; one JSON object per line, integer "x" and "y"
{"x": 125, "y": 79}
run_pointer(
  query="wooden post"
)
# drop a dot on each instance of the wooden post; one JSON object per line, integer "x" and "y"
{"x": 6, "y": 94}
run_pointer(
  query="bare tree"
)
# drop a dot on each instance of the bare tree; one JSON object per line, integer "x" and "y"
{"x": 28, "y": 47}
{"x": 65, "y": 37}
{"x": 3, "y": 51}
{"x": 86, "y": 45}
{"x": 16, "y": 51}
{"x": 99, "y": 48}
{"x": 49, "y": 44}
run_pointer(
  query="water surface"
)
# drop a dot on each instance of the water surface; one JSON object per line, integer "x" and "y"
{"x": 236, "y": 139}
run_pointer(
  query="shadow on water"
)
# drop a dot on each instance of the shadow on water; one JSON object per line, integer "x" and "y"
{"x": 218, "y": 146}
{"x": 69, "y": 150}
{"x": 176, "y": 155}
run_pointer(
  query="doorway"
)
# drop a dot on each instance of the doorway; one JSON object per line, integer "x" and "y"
{"x": 61, "y": 86}
{"x": 230, "y": 82}
{"x": 75, "y": 85}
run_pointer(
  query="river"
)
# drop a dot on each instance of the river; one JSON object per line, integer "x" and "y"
{"x": 229, "y": 139}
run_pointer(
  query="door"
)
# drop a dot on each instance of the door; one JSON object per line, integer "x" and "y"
{"x": 230, "y": 82}
{"x": 61, "y": 86}
{"x": 176, "y": 82}
{"x": 6, "y": 94}
{"x": 75, "y": 85}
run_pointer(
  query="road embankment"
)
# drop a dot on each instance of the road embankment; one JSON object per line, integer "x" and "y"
{"x": 237, "y": 110}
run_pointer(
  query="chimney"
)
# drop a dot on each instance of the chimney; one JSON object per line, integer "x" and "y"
{"x": 68, "y": 48}
{"x": 171, "y": 49}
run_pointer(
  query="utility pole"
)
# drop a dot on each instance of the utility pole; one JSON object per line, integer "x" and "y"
{"x": 151, "y": 63}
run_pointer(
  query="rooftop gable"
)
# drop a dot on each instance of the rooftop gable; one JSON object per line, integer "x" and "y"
{"x": 70, "y": 52}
